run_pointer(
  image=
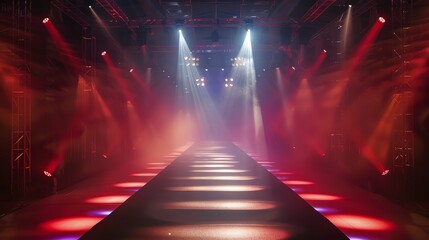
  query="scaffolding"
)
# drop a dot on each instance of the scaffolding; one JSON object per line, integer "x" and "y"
{"x": 20, "y": 161}
{"x": 403, "y": 132}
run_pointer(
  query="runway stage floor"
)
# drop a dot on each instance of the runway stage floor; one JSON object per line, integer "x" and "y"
{"x": 213, "y": 190}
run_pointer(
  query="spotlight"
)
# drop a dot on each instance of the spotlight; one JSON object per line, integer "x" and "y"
{"x": 249, "y": 24}
{"x": 381, "y": 19}
{"x": 45, "y": 20}
{"x": 293, "y": 68}
{"x": 223, "y": 69}
{"x": 350, "y": 5}
{"x": 90, "y": 6}
{"x": 47, "y": 174}
{"x": 203, "y": 84}
{"x": 131, "y": 70}
{"x": 385, "y": 172}
{"x": 324, "y": 50}
{"x": 103, "y": 53}
{"x": 207, "y": 70}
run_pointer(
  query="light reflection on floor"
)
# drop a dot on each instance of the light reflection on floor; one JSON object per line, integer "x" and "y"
{"x": 219, "y": 231}
{"x": 225, "y": 178}
{"x": 248, "y": 205}
{"x": 212, "y": 166}
{"x": 217, "y": 188}
{"x": 219, "y": 170}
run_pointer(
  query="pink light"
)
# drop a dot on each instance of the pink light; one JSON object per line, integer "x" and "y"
{"x": 293, "y": 68}
{"x": 75, "y": 224}
{"x": 131, "y": 70}
{"x": 324, "y": 50}
{"x": 381, "y": 19}
{"x": 130, "y": 184}
{"x": 296, "y": 182}
{"x": 385, "y": 172}
{"x": 359, "y": 222}
{"x": 48, "y": 174}
{"x": 45, "y": 20}
{"x": 103, "y": 53}
{"x": 320, "y": 197}
{"x": 108, "y": 199}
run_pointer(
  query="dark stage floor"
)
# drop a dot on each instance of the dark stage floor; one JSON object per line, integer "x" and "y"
{"x": 213, "y": 190}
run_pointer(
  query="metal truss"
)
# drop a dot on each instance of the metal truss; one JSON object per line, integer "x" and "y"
{"x": 20, "y": 165}
{"x": 316, "y": 10}
{"x": 403, "y": 133}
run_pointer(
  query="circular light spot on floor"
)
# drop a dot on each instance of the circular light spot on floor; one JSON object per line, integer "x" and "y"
{"x": 71, "y": 224}
{"x": 108, "y": 199}
{"x": 297, "y": 182}
{"x": 218, "y": 178}
{"x": 359, "y": 222}
{"x": 130, "y": 184}
{"x": 212, "y": 166}
{"x": 238, "y": 205}
{"x": 144, "y": 174}
{"x": 319, "y": 197}
{"x": 219, "y": 170}
{"x": 217, "y": 231}
{"x": 218, "y": 188}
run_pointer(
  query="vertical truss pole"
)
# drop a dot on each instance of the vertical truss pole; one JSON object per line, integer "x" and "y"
{"x": 21, "y": 100}
{"x": 89, "y": 74}
{"x": 403, "y": 135}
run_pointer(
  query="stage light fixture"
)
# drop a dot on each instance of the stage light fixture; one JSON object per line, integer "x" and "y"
{"x": 385, "y": 172}
{"x": 45, "y": 20}
{"x": 381, "y": 19}
{"x": 103, "y": 53}
{"x": 131, "y": 70}
{"x": 350, "y": 5}
{"x": 324, "y": 50}
{"x": 47, "y": 174}
{"x": 248, "y": 24}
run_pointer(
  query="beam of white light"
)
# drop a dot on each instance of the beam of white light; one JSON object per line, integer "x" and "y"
{"x": 193, "y": 96}
{"x": 252, "y": 132}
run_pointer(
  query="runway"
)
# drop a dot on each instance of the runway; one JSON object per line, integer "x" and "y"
{"x": 212, "y": 190}
{"x": 215, "y": 191}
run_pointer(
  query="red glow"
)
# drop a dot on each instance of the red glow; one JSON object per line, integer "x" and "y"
{"x": 74, "y": 224}
{"x": 144, "y": 174}
{"x": 359, "y": 222}
{"x": 283, "y": 173}
{"x": 63, "y": 46}
{"x": 366, "y": 42}
{"x": 381, "y": 19}
{"x": 130, "y": 184}
{"x": 320, "y": 197}
{"x": 108, "y": 199}
{"x": 296, "y": 182}
{"x": 103, "y": 53}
